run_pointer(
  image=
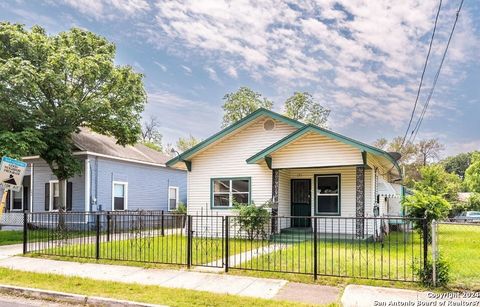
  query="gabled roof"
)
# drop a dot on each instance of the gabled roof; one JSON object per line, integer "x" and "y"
{"x": 315, "y": 129}
{"x": 223, "y": 133}
{"x": 95, "y": 144}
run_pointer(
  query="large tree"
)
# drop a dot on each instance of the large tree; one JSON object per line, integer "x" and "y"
{"x": 301, "y": 106}
{"x": 59, "y": 83}
{"x": 472, "y": 174}
{"x": 241, "y": 103}
{"x": 458, "y": 164}
{"x": 184, "y": 144}
{"x": 428, "y": 151}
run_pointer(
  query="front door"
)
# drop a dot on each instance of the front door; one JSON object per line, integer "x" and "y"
{"x": 301, "y": 202}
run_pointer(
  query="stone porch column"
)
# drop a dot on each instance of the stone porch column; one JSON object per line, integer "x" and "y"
{"x": 275, "y": 188}
{"x": 360, "y": 201}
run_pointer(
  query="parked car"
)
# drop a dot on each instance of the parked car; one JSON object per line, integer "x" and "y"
{"x": 468, "y": 216}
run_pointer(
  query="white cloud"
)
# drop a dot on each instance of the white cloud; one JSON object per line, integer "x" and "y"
{"x": 109, "y": 9}
{"x": 212, "y": 74}
{"x": 364, "y": 57}
{"x": 187, "y": 69}
{"x": 162, "y": 67}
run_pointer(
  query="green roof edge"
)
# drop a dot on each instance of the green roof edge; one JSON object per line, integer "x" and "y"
{"x": 257, "y": 113}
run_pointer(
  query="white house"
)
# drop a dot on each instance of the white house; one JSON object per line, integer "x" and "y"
{"x": 304, "y": 170}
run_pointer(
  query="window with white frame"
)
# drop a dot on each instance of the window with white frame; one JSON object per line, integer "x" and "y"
{"x": 228, "y": 191}
{"x": 120, "y": 196}
{"x": 172, "y": 198}
{"x": 54, "y": 198}
{"x": 16, "y": 201}
{"x": 327, "y": 191}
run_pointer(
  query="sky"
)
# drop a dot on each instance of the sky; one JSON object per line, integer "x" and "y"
{"x": 361, "y": 59}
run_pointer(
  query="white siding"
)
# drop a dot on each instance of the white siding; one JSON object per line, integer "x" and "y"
{"x": 313, "y": 149}
{"x": 228, "y": 159}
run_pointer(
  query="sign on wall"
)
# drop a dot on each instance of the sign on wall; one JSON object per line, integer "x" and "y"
{"x": 11, "y": 173}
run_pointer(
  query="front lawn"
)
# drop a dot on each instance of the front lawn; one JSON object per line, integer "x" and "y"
{"x": 394, "y": 259}
{"x": 460, "y": 246}
{"x": 169, "y": 249}
{"x": 8, "y": 237}
{"x": 132, "y": 292}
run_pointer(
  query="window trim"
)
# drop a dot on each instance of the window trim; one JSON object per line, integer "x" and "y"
{"x": 125, "y": 194}
{"x": 177, "y": 195}
{"x": 50, "y": 198}
{"x": 339, "y": 194}
{"x": 230, "y": 203}
{"x": 12, "y": 198}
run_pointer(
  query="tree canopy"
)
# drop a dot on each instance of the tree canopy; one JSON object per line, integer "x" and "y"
{"x": 151, "y": 135}
{"x": 184, "y": 144}
{"x": 301, "y": 106}
{"x": 472, "y": 174}
{"x": 241, "y": 103}
{"x": 458, "y": 164}
{"x": 51, "y": 85}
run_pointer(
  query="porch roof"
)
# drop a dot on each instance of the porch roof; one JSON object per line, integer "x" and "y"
{"x": 364, "y": 148}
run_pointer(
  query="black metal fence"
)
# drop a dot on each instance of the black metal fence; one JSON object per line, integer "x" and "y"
{"x": 373, "y": 248}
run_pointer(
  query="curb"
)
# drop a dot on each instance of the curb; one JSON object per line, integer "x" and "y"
{"x": 69, "y": 297}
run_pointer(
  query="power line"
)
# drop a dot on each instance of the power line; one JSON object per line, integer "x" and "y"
{"x": 427, "y": 102}
{"x": 423, "y": 74}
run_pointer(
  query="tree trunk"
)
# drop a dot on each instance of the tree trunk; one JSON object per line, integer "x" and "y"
{"x": 62, "y": 192}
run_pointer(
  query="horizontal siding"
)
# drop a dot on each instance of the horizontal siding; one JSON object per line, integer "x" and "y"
{"x": 43, "y": 174}
{"x": 147, "y": 185}
{"x": 228, "y": 159}
{"x": 316, "y": 150}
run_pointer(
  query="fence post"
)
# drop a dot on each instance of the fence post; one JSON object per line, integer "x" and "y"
{"x": 189, "y": 241}
{"x": 25, "y": 234}
{"x": 108, "y": 226}
{"x": 425, "y": 244}
{"x": 434, "y": 253}
{"x": 163, "y": 227}
{"x": 97, "y": 242}
{"x": 315, "y": 260}
{"x": 227, "y": 253}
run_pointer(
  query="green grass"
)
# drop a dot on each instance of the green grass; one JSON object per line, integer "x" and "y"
{"x": 394, "y": 259}
{"x": 460, "y": 246}
{"x": 132, "y": 292}
{"x": 169, "y": 249}
{"x": 8, "y": 237}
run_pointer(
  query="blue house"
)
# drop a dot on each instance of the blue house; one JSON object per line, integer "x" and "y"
{"x": 114, "y": 178}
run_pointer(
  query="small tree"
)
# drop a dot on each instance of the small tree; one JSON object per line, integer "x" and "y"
{"x": 472, "y": 174}
{"x": 436, "y": 181}
{"x": 428, "y": 206}
{"x": 241, "y": 103}
{"x": 252, "y": 219}
{"x": 301, "y": 106}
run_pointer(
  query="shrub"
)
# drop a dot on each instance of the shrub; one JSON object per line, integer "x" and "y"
{"x": 423, "y": 205}
{"x": 425, "y": 275}
{"x": 474, "y": 202}
{"x": 181, "y": 208}
{"x": 252, "y": 219}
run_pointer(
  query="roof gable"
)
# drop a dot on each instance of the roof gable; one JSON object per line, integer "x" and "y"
{"x": 312, "y": 128}
{"x": 230, "y": 129}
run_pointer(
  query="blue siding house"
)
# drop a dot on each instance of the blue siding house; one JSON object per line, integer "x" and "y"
{"x": 114, "y": 178}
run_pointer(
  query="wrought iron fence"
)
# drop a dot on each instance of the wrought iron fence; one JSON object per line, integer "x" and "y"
{"x": 373, "y": 248}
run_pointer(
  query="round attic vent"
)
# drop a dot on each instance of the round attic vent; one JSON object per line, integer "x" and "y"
{"x": 269, "y": 125}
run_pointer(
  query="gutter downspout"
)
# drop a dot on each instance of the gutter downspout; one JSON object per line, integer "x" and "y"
{"x": 87, "y": 184}
{"x": 31, "y": 187}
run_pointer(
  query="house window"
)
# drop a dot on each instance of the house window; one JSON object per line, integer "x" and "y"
{"x": 228, "y": 191}
{"x": 120, "y": 196}
{"x": 172, "y": 198}
{"x": 17, "y": 200}
{"x": 327, "y": 194}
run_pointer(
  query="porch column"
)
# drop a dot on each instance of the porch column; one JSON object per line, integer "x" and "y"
{"x": 275, "y": 187}
{"x": 360, "y": 201}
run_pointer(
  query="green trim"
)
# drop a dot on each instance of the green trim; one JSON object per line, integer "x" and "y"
{"x": 254, "y": 115}
{"x": 311, "y": 128}
{"x": 188, "y": 164}
{"x": 325, "y": 166}
{"x": 364, "y": 157}
{"x": 316, "y": 213}
{"x": 268, "y": 160}
{"x": 212, "y": 207}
